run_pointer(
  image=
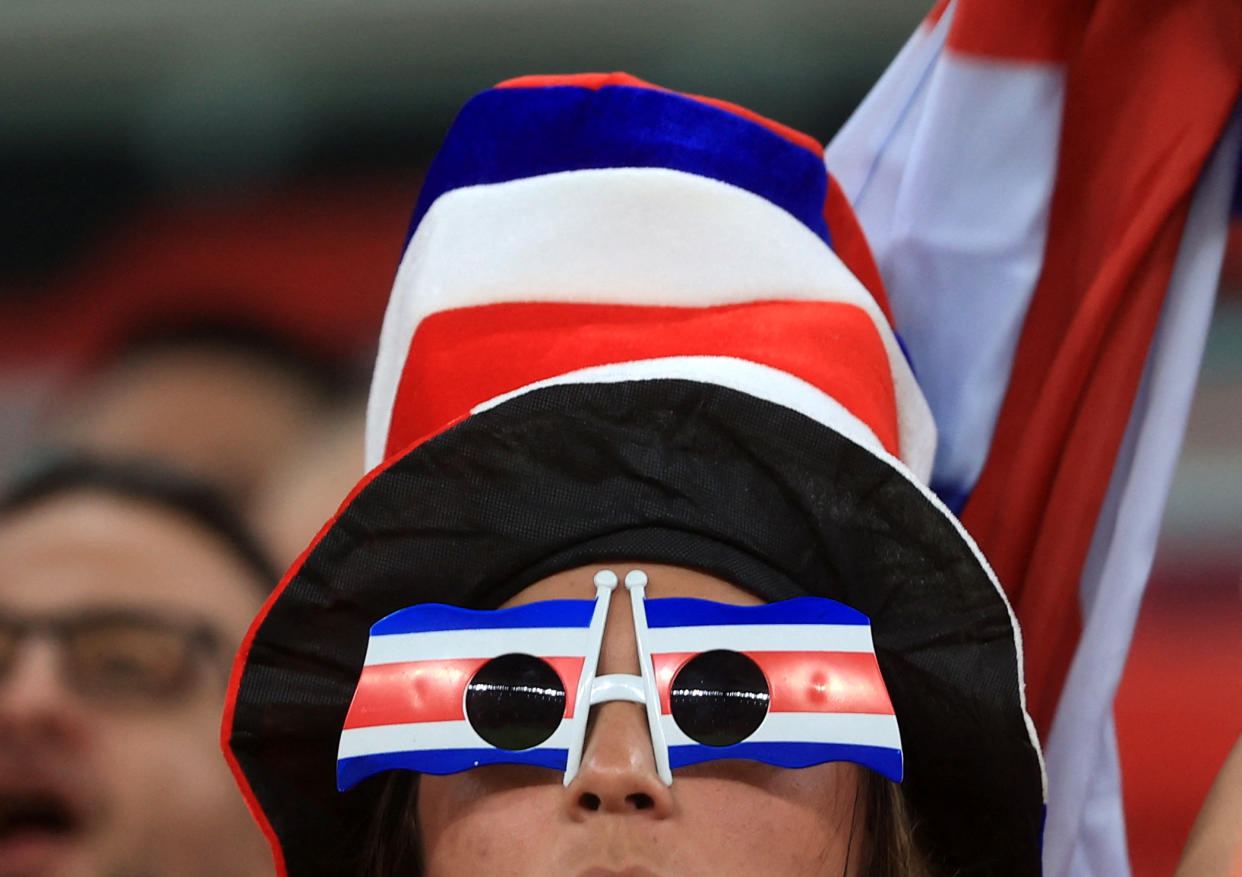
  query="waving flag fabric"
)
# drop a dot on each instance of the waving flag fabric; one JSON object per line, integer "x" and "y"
{"x": 828, "y": 700}
{"x": 1046, "y": 190}
{"x": 825, "y": 699}
{"x": 411, "y": 712}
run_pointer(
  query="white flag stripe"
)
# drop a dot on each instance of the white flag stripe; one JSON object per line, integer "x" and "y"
{"x": 860, "y": 729}
{"x": 875, "y": 130}
{"x": 752, "y": 378}
{"x": 847, "y": 728}
{"x": 429, "y": 735}
{"x": 395, "y": 648}
{"x": 762, "y": 638}
{"x": 561, "y": 641}
{"x": 952, "y": 181}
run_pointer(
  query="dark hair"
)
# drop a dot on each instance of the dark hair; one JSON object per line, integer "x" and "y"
{"x": 54, "y": 473}
{"x": 393, "y": 841}
{"x": 328, "y": 377}
{"x": 892, "y": 848}
{"x": 887, "y": 837}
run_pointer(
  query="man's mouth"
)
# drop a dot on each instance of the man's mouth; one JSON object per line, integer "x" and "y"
{"x": 38, "y": 812}
{"x": 36, "y": 826}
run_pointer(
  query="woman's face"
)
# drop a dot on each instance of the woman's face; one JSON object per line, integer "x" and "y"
{"x": 617, "y": 818}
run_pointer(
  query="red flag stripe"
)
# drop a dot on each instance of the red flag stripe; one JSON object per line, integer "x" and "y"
{"x": 432, "y": 691}
{"x": 937, "y": 12}
{"x": 849, "y": 242}
{"x": 463, "y": 357}
{"x": 1045, "y": 32}
{"x": 802, "y": 682}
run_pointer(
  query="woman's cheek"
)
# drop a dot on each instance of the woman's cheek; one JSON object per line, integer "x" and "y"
{"x": 471, "y": 827}
{"x": 775, "y": 822}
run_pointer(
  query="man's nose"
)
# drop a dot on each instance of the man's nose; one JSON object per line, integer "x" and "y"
{"x": 618, "y": 772}
{"x": 34, "y": 700}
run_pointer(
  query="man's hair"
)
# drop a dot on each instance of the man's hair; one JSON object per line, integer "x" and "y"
{"x": 327, "y": 376}
{"x": 56, "y": 474}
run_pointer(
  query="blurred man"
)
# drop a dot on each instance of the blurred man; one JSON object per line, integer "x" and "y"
{"x": 218, "y": 400}
{"x": 125, "y": 593}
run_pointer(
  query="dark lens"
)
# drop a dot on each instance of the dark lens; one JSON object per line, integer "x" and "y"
{"x": 719, "y": 698}
{"x": 120, "y": 660}
{"x": 515, "y": 701}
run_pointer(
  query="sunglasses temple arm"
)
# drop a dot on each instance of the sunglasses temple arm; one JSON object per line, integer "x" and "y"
{"x": 635, "y": 583}
{"x": 605, "y": 583}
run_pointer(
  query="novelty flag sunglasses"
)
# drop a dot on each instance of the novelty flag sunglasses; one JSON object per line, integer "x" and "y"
{"x": 791, "y": 684}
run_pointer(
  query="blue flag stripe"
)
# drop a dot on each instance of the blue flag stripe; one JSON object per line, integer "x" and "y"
{"x": 887, "y": 762}
{"x": 689, "y": 612}
{"x": 513, "y": 133}
{"x": 881, "y": 759}
{"x": 350, "y": 771}
{"x": 427, "y": 617}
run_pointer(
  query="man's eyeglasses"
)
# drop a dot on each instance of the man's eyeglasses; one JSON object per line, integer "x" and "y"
{"x": 792, "y": 684}
{"x": 116, "y": 655}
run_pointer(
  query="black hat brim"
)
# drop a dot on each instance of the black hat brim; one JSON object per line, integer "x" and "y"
{"x": 664, "y": 471}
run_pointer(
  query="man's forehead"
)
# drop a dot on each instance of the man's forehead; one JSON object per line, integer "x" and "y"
{"x": 88, "y": 548}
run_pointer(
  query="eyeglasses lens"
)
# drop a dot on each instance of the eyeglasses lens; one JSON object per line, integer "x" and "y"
{"x": 515, "y": 701}
{"x": 719, "y": 697}
{"x": 129, "y": 660}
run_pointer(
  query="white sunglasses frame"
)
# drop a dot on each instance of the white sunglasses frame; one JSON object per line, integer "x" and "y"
{"x": 593, "y": 689}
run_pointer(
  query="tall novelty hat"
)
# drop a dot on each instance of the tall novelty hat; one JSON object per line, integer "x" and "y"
{"x": 634, "y": 324}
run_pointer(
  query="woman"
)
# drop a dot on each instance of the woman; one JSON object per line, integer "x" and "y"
{"x": 637, "y": 337}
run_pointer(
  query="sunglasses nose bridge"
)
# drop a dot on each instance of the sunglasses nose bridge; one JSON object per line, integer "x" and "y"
{"x": 619, "y": 644}
{"x": 618, "y": 686}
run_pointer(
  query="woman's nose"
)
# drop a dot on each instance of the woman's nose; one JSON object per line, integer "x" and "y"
{"x": 617, "y": 774}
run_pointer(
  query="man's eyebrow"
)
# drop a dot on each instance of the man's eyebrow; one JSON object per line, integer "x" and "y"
{"x": 168, "y": 616}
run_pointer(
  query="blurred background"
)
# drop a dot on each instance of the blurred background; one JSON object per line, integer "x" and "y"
{"x": 239, "y": 174}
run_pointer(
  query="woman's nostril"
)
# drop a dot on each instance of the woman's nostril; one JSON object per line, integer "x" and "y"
{"x": 636, "y": 801}
{"x": 640, "y": 801}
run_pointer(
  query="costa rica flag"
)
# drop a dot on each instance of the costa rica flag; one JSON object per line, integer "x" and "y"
{"x": 826, "y": 702}
{"x": 445, "y": 689}
{"x": 408, "y": 710}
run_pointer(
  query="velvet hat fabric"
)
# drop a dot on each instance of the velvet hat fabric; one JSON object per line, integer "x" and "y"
{"x": 635, "y": 324}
